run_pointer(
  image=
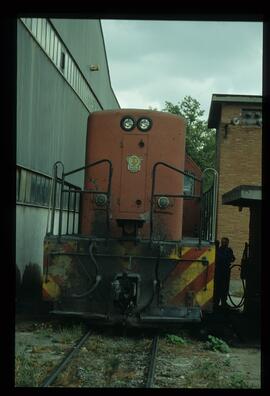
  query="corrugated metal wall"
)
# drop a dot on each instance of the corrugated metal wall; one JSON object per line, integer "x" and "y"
{"x": 51, "y": 119}
{"x": 52, "y": 110}
{"x": 90, "y": 51}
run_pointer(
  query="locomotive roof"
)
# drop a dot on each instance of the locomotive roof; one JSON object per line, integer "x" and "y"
{"x": 140, "y": 112}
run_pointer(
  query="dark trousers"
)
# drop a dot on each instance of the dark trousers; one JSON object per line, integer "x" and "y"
{"x": 222, "y": 282}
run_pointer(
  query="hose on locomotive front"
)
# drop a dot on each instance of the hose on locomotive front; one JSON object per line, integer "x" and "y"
{"x": 98, "y": 275}
{"x": 241, "y": 303}
{"x": 156, "y": 287}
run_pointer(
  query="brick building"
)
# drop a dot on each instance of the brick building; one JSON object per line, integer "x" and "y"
{"x": 238, "y": 123}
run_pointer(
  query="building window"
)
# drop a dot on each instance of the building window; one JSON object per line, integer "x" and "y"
{"x": 252, "y": 117}
{"x": 33, "y": 188}
{"x": 48, "y": 39}
{"x": 39, "y": 30}
{"x": 18, "y": 175}
{"x": 34, "y": 26}
{"x": 189, "y": 184}
{"x": 62, "y": 61}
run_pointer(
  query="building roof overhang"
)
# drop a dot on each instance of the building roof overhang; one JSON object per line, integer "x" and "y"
{"x": 219, "y": 99}
{"x": 243, "y": 196}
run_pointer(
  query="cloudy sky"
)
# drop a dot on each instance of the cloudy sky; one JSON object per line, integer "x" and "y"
{"x": 152, "y": 62}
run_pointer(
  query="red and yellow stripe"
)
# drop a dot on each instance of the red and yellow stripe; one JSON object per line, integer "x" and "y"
{"x": 192, "y": 276}
{"x": 50, "y": 289}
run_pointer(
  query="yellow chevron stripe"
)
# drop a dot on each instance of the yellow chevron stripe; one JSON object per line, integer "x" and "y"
{"x": 202, "y": 296}
{"x": 189, "y": 274}
{"x": 51, "y": 287}
{"x": 194, "y": 269}
{"x": 175, "y": 254}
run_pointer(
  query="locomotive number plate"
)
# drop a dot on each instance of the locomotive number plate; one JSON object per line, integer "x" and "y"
{"x": 134, "y": 163}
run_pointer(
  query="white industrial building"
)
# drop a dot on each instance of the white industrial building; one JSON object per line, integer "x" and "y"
{"x": 62, "y": 76}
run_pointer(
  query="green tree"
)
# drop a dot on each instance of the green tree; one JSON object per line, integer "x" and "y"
{"x": 200, "y": 140}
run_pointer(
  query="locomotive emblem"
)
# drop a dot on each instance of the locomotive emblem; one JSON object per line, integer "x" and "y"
{"x": 134, "y": 163}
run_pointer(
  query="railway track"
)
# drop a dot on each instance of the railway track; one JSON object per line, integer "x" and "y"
{"x": 150, "y": 362}
{"x": 58, "y": 369}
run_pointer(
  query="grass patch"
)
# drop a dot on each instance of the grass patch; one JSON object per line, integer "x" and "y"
{"x": 214, "y": 374}
{"x": 28, "y": 370}
{"x": 237, "y": 381}
{"x": 70, "y": 334}
{"x": 216, "y": 344}
{"x": 110, "y": 368}
{"x": 34, "y": 359}
{"x": 175, "y": 339}
{"x": 25, "y": 375}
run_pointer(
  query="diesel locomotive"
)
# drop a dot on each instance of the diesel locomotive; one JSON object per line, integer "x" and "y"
{"x": 135, "y": 245}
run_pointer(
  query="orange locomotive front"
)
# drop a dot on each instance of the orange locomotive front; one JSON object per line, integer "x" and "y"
{"x": 133, "y": 151}
{"x": 120, "y": 257}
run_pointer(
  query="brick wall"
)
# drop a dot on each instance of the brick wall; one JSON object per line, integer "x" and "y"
{"x": 238, "y": 163}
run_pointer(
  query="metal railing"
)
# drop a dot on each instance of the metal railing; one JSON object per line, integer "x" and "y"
{"x": 73, "y": 196}
{"x": 209, "y": 208}
{"x": 207, "y": 200}
{"x": 154, "y": 195}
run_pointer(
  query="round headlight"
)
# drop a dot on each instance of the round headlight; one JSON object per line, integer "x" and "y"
{"x": 163, "y": 202}
{"x": 101, "y": 199}
{"x": 127, "y": 123}
{"x": 144, "y": 124}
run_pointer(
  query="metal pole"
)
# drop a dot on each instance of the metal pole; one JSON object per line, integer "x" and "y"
{"x": 74, "y": 211}
{"x": 61, "y": 201}
{"x": 68, "y": 202}
{"x": 54, "y": 184}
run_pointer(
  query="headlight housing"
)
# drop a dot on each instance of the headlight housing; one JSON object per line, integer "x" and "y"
{"x": 101, "y": 199}
{"x": 127, "y": 123}
{"x": 163, "y": 202}
{"x": 144, "y": 124}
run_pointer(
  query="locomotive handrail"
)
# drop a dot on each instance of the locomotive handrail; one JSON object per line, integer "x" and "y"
{"x": 208, "y": 200}
{"x": 88, "y": 166}
{"x": 211, "y": 232}
{"x": 175, "y": 169}
{"x": 53, "y": 192}
{"x": 52, "y": 198}
{"x": 169, "y": 195}
{"x": 61, "y": 179}
{"x": 207, "y": 203}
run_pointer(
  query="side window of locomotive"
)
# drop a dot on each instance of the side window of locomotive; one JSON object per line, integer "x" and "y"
{"x": 189, "y": 184}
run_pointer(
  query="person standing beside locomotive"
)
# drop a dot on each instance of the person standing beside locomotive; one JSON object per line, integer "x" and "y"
{"x": 224, "y": 258}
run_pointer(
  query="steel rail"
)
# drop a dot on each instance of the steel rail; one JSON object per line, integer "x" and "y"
{"x": 57, "y": 370}
{"x": 151, "y": 370}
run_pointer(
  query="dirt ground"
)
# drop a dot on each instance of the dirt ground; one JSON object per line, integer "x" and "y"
{"x": 187, "y": 364}
{"x": 248, "y": 362}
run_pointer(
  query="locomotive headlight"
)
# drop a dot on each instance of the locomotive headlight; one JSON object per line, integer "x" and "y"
{"x": 163, "y": 202}
{"x": 144, "y": 124}
{"x": 127, "y": 123}
{"x": 101, "y": 199}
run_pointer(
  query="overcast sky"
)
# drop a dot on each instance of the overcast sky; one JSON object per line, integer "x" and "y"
{"x": 154, "y": 61}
